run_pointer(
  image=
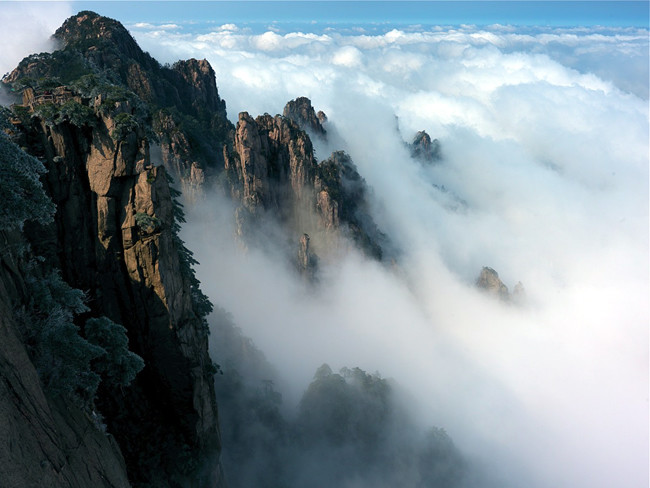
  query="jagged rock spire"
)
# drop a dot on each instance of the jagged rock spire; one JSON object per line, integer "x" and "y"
{"x": 303, "y": 114}
{"x": 489, "y": 281}
{"x": 425, "y": 149}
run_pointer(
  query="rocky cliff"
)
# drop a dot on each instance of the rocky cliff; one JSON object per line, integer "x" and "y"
{"x": 271, "y": 168}
{"x": 271, "y": 164}
{"x": 303, "y": 114}
{"x": 342, "y": 200}
{"x": 44, "y": 440}
{"x": 109, "y": 50}
{"x": 115, "y": 236}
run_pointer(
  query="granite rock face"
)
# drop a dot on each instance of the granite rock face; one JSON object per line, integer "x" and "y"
{"x": 307, "y": 262}
{"x": 272, "y": 169}
{"x": 43, "y": 441}
{"x": 188, "y": 115}
{"x": 177, "y": 156}
{"x": 272, "y": 164}
{"x": 489, "y": 281}
{"x": 303, "y": 114}
{"x": 342, "y": 196}
{"x": 110, "y": 50}
{"x": 134, "y": 275}
{"x": 200, "y": 87}
{"x": 114, "y": 237}
{"x": 425, "y": 149}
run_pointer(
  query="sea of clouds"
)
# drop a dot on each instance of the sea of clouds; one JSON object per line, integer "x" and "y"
{"x": 544, "y": 177}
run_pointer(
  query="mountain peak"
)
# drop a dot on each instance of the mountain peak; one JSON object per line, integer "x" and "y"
{"x": 302, "y": 113}
{"x": 424, "y": 148}
{"x": 89, "y": 25}
{"x": 88, "y": 30}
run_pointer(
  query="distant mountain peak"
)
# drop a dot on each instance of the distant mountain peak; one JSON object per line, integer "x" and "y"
{"x": 302, "y": 113}
{"x": 490, "y": 282}
{"x": 424, "y": 148}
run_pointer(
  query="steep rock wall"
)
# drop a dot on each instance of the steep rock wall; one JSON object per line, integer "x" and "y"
{"x": 43, "y": 441}
{"x": 272, "y": 168}
{"x": 272, "y": 163}
{"x": 114, "y": 239}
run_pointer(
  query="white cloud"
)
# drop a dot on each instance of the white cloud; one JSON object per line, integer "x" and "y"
{"x": 348, "y": 56}
{"x": 228, "y": 27}
{"x": 143, "y": 25}
{"x": 154, "y": 28}
{"x": 269, "y": 41}
{"x": 545, "y": 179}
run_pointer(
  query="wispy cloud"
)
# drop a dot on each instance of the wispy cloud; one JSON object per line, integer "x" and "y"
{"x": 153, "y": 27}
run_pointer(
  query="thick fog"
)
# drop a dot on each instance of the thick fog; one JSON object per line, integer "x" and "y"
{"x": 544, "y": 177}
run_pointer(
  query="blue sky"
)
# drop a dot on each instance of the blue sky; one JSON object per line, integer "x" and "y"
{"x": 548, "y": 13}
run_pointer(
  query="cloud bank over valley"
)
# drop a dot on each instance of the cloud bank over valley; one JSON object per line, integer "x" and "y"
{"x": 543, "y": 177}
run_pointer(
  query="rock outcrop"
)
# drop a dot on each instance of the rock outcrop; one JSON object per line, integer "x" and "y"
{"x": 271, "y": 168}
{"x": 342, "y": 196}
{"x": 489, "y": 281}
{"x": 96, "y": 50}
{"x": 518, "y": 293}
{"x": 425, "y": 149}
{"x": 43, "y": 441}
{"x": 271, "y": 165}
{"x": 109, "y": 50}
{"x": 303, "y": 114}
{"x": 307, "y": 262}
{"x": 199, "y": 89}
